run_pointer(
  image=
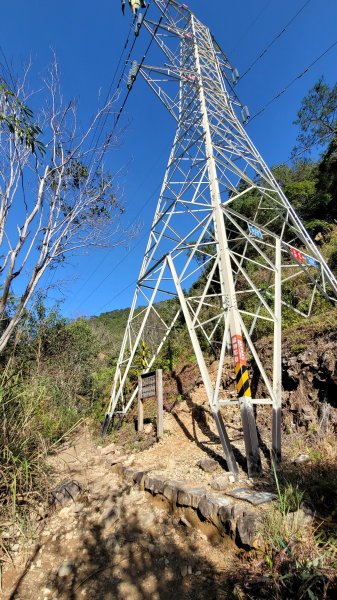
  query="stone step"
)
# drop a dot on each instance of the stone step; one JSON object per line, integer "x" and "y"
{"x": 230, "y": 517}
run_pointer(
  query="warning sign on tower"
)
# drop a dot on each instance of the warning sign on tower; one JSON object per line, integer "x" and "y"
{"x": 238, "y": 349}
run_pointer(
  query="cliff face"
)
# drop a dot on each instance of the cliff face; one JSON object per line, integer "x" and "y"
{"x": 310, "y": 384}
{"x": 309, "y": 380}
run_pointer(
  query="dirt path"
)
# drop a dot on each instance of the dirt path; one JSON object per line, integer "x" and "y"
{"x": 113, "y": 542}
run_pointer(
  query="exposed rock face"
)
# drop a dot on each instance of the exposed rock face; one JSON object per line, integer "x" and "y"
{"x": 310, "y": 384}
{"x": 309, "y": 380}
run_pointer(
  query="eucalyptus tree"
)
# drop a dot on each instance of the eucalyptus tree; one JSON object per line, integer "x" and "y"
{"x": 56, "y": 196}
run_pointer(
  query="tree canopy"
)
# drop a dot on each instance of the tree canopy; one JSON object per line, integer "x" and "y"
{"x": 317, "y": 117}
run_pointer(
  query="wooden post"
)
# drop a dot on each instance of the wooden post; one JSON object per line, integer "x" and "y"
{"x": 160, "y": 409}
{"x": 140, "y": 406}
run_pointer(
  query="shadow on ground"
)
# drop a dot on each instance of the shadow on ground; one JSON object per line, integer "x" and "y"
{"x": 129, "y": 554}
{"x": 199, "y": 420}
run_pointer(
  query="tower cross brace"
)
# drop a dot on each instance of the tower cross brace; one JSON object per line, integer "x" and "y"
{"x": 224, "y": 231}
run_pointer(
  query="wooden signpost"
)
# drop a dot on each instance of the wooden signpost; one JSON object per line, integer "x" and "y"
{"x": 150, "y": 385}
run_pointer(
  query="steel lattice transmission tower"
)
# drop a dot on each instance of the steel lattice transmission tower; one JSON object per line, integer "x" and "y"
{"x": 221, "y": 221}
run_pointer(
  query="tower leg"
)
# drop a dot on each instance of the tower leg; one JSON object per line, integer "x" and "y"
{"x": 224, "y": 439}
{"x": 230, "y": 459}
{"x": 277, "y": 367}
{"x": 250, "y": 437}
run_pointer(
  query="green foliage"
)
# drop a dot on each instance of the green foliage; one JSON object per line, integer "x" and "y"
{"x": 294, "y": 561}
{"x": 317, "y": 117}
{"x": 17, "y": 119}
{"x": 289, "y": 497}
{"x": 46, "y": 388}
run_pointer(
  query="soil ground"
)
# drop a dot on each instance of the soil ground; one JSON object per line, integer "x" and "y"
{"x": 117, "y": 542}
{"x": 114, "y": 542}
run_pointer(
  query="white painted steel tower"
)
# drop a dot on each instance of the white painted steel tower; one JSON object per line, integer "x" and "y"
{"x": 221, "y": 221}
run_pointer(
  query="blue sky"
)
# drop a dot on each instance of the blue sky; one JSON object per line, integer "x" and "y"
{"x": 88, "y": 38}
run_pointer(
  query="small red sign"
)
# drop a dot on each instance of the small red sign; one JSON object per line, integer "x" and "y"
{"x": 297, "y": 254}
{"x": 238, "y": 349}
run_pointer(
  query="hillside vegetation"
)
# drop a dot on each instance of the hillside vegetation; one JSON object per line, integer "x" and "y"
{"x": 55, "y": 373}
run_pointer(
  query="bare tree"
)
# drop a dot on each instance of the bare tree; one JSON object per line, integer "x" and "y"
{"x": 55, "y": 196}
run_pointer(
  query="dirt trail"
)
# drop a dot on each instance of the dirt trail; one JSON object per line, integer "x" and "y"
{"x": 113, "y": 542}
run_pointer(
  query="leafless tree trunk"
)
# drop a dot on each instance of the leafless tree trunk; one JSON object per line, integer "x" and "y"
{"x": 52, "y": 204}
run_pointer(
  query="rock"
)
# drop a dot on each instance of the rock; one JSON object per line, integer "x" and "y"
{"x": 208, "y": 465}
{"x": 171, "y": 488}
{"x": 185, "y": 521}
{"x": 138, "y": 478}
{"x": 190, "y": 496}
{"x": 220, "y": 483}
{"x": 299, "y": 520}
{"x": 184, "y": 570}
{"x": 78, "y": 507}
{"x": 66, "y": 569}
{"x": 231, "y": 478}
{"x": 108, "y": 449}
{"x": 155, "y": 485}
{"x": 130, "y": 460}
{"x": 115, "y": 460}
{"x": 237, "y": 511}
{"x": 209, "y": 507}
{"x": 64, "y": 493}
{"x": 146, "y": 519}
{"x": 251, "y": 496}
{"x": 128, "y": 473}
{"x": 148, "y": 428}
{"x": 303, "y": 458}
{"x": 225, "y": 514}
{"x": 246, "y": 528}
{"x": 15, "y": 548}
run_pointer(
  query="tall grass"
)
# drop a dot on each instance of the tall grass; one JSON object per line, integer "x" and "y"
{"x": 31, "y": 422}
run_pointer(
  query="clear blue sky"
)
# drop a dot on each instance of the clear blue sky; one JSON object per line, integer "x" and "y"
{"x": 88, "y": 38}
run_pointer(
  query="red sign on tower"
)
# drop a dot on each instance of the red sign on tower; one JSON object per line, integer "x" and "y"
{"x": 297, "y": 254}
{"x": 238, "y": 349}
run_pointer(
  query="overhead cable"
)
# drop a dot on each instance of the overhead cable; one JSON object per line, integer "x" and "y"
{"x": 291, "y": 83}
{"x": 121, "y": 261}
{"x": 115, "y": 125}
{"x": 277, "y": 37}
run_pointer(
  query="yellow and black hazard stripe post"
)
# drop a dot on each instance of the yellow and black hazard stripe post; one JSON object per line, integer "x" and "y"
{"x": 247, "y": 413}
{"x": 242, "y": 381}
{"x": 241, "y": 370}
{"x": 144, "y": 365}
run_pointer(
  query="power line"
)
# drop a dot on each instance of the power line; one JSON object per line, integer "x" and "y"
{"x": 255, "y": 20}
{"x": 117, "y": 295}
{"x": 291, "y": 83}
{"x": 116, "y": 122}
{"x": 277, "y": 37}
{"x": 112, "y": 82}
{"x": 117, "y": 265}
{"x": 120, "y": 112}
{"x": 142, "y": 61}
{"x": 116, "y": 91}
